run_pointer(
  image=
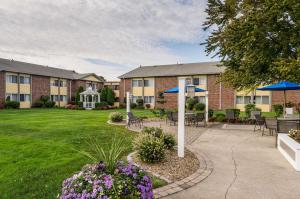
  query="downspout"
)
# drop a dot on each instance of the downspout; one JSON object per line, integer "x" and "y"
{"x": 18, "y": 87}
{"x": 58, "y": 92}
{"x": 70, "y": 90}
{"x": 220, "y": 96}
{"x": 143, "y": 89}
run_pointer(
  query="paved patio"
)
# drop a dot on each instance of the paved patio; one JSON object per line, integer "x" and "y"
{"x": 246, "y": 165}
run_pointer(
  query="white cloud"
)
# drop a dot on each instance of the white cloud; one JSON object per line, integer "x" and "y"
{"x": 65, "y": 33}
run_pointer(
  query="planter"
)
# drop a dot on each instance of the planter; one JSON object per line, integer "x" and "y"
{"x": 290, "y": 149}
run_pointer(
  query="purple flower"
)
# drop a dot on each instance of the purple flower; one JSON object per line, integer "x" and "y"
{"x": 101, "y": 166}
{"x": 108, "y": 182}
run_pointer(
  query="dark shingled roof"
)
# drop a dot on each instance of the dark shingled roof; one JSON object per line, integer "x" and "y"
{"x": 34, "y": 69}
{"x": 202, "y": 68}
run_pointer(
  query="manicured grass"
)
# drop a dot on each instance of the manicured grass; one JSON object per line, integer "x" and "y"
{"x": 38, "y": 147}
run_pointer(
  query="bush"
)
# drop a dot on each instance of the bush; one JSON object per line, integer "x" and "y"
{"x": 38, "y": 104}
{"x": 148, "y": 106}
{"x": 154, "y": 131}
{"x": 249, "y": 108}
{"x": 94, "y": 181}
{"x": 150, "y": 149}
{"x": 236, "y": 111}
{"x": 49, "y": 104}
{"x": 190, "y": 103}
{"x": 210, "y": 113}
{"x": 45, "y": 98}
{"x": 278, "y": 109}
{"x": 169, "y": 141}
{"x": 199, "y": 107}
{"x": 220, "y": 117}
{"x": 116, "y": 117}
{"x": 133, "y": 105}
{"x": 101, "y": 104}
{"x": 12, "y": 104}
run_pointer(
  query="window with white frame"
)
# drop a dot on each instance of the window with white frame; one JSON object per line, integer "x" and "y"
{"x": 262, "y": 99}
{"x": 134, "y": 98}
{"x": 199, "y": 80}
{"x": 13, "y": 79}
{"x": 11, "y": 97}
{"x": 24, "y": 79}
{"x": 57, "y": 98}
{"x": 137, "y": 83}
{"x": 188, "y": 81}
{"x": 243, "y": 99}
{"x": 59, "y": 83}
{"x": 200, "y": 99}
{"x": 24, "y": 98}
{"x": 148, "y": 83}
{"x": 148, "y": 99}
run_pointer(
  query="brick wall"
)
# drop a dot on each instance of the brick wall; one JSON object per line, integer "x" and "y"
{"x": 40, "y": 86}
{"x": 291, "y": 96}
{"x": 127, "y": 84}
{"x": 228, "y": 95}
{"x": 162, "y": 84}
{"x": 2, "y": 87}
{"x": 213, "y": 91}
{"x": 75, "y": 85}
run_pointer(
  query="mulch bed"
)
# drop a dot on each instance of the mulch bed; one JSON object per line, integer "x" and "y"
{"x": 173, "y": 167}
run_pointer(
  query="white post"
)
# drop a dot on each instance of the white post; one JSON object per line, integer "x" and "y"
{"x": 127, "y": 105}
{"x": 181, "y": 116}
{"x": 206, "y": 106}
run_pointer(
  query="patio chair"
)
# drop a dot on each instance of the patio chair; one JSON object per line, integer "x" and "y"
{"x": 189, "y": 118}
{"x": 134, "y": 120}
{"x": 259, "y": 122}
{"x": 174, "y": 118}
{"x": 252, "y": 116}
{"x": 271, "y": 124}
{"x": 230, "y": 117}
{"x": 169, "y": 117}
{"x": 199, "y": 117}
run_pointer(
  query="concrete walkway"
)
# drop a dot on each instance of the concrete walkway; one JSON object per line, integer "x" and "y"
{"x": 246, "y": 165}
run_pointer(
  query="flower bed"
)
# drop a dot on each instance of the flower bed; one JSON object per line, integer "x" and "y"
{"x": 94, "y": 181}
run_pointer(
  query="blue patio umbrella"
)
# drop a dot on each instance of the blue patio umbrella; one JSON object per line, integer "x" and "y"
{"x": 281, "y": 86}
{"x": 176, "y": 90}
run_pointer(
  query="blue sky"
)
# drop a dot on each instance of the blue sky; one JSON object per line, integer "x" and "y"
{"x": 103, "y": 36}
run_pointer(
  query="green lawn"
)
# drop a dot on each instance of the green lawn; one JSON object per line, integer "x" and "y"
{"x": 37, "y": 147}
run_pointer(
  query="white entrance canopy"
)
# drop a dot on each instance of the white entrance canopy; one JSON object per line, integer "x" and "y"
{"x": 89, "y": 98}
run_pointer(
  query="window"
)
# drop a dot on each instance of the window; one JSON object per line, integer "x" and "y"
{"x": 59, "y": 83}
{"x": 54, "y": 98}
{"x": 24, "y": 79}
{"x": 188, "y": 81}
{"x": 200, "y": 99}
{"x": 24, "y": 97}
{"x": 134, "y": 98}
{"x": 11, "y": 97}
{"x": 63, "y": 98}
{"x": 137, "y": 83}
{"x": 148, "y": 99}
{"x": 239, "y": 100}
{"x": 115, "y": 87}
{"x": 199, "y": 81}
{"x": 247, "y": 99}
{"x": 92, "y": 85}
{"x": 148, "y": 83}
{"x": 261, "y": 99}
{"x": 265, "y": 100}
{"x": 12, "y": 79}
{"x": 243, "y": 99}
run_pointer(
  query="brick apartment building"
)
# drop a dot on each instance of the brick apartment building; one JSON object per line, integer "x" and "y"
{"x": 26, "y": 83}
{"x": 148, "y": 81}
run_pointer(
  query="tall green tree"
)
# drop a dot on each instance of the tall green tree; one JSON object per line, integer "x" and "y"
{"x": 258, "y": 41}
{"x": 110, "y": 96}
{"x": 103, "y": 94}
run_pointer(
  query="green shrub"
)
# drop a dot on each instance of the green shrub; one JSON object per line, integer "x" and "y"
{"x": 210, "y": 113}
{"x": 155, "y": 131}
{"x": 278, "y": 109}
{"x": 49, "y": 104}
{"x": 249, "y": 108}
{"x": 149, "y": 148}
{"x": 199, "y": 107}
{"x": 236, "y": 111}
{"x": 116, "y": 117}
{"x": 12, "y": 104}
{"x": 38, "y": 104}
{"x": 100, "y": 104}
{"x": 133, "y": 105}
{"x": 45, "y": 98}
{"x": 220, "y": 117}
{"x": 169, "y": 141}
{"x": 148, "y": 106}
{"x": 190, "y": 103}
